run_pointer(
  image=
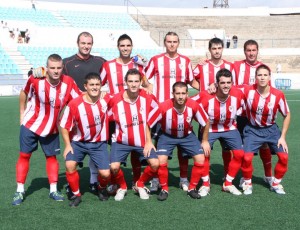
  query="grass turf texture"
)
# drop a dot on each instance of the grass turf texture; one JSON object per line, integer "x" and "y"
{"x": 219, "y": 210}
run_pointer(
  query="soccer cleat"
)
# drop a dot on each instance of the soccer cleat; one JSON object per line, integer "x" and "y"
{"x": 163, "y": 195}
{"x": 231, "y": 189}
{"x": 112, "y": 189}
{"x": 134, "y": 188}
{"x": 120, "y": 194}
{"x": 103, "y": 194}
{"x": 278, "y": 189}
{"x": 143, "y": 192}
{"x": 154, "y": 185}
{"x": 242, "y": 182}
{"x": 268, "y": 180}
{"x": 184, "y": 184}
{"x": 204, "y": 191}
{"x": 93, "y": 187}
{"x": 194, "y": 194}
{"x": 76, "y": 200}
{"x": 247, "y": 188}
{"x": 57, "y": 196}
{"x": 18, "y": 198}
{"x": 69, "y": 193}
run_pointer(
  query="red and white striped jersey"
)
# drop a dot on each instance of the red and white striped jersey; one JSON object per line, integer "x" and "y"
{"x": 222, "y": 115}
{"x": 45, "y": 101}
{"x": 262, "y": 111}
{"x": 166, "y": 71}
{"x": 180, "y": 124}
{"x": 131, "y": 118}
{"x": 244, "y": 72}
{"x": 206, "y": 74}
{"x": 113, "y": 73}
{"x": 86, "y": 121}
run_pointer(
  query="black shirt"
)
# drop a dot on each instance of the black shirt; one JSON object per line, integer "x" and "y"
{"x": 78, "y": 68}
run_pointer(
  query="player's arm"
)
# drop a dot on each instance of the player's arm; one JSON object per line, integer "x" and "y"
{"x": 23, "y": 103}
{"x": 147, "y": 85}
{"x": 195, "y": 84}
{"x": 67, "y": 142}
{"x": 149, "y": 145}
{"x": 204, "y": 142}
{"x": 285, "y": 126}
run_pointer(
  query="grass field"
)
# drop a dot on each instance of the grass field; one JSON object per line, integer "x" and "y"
{"x": 219, "y": 210}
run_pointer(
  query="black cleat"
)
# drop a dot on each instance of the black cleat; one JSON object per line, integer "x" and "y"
{"x": 69, "y": 193}
{"x": 94, "y": 187}
{"x": 103, "y": 194}
{"x": 75, "y": 201}
{"x": 193, "y": 194}
{"x": 163, "y": 195}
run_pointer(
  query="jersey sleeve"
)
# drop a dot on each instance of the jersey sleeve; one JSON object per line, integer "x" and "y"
{"x": 28, "y": 84}
{"x": 66, "y": 120}
{"x": 150, "y": 69}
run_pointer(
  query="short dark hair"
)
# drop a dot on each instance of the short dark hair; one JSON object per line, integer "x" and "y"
{"x": 91, "y": 75}
{"x": 86, "y": 34}
{"x": 250, "y": 42}
{"x": 170, "y": 33}
{"x": 133, "y": 72}
{"x": 262, "y": 66}
{"x": 54, "y": 57}
{"x": 179, "y": 84}
{"x": 215, "y": 41}
{"x": 223, "y": 73}
{"x": 122, "y": 38}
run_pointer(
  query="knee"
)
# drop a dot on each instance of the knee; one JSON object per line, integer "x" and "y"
{"x": 104, "y": 174}
{"x": 71, "y": 166}
{"x": 114, "y": 168}
{"x": 247, "y": 159}
{"x": 238, "y": 154}
{"x": 154, "y": 164}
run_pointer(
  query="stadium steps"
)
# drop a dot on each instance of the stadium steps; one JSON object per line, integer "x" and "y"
{"x": 61, "y": 18}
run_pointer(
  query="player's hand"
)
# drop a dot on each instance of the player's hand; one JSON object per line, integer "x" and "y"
{"x": 102, "y": 94}
{"x": 140, "y": 60}
{"x": 39, "y": 72}
{"x": 212, "y": 88}
{"x": 283, "y": 144}
{"x": 147, "y": 149}
{"x": 206, "y": 148}
{"x": 67, "y": 150}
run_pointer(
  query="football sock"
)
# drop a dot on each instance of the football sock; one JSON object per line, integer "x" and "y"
{"x": 281, "y": 166}
{"x": 53, "y": 187}
{"x": 93, "y": 172}
{"x": 247, "y": 167}
{"x": 103, "y": 182}
{"x": 163, "y": 175}
{"x": 136, "y": 166}
{"x": 205, "y": 175}
{"x": 52, "y": 167}
{"x": 205, "y": 180}
{"x": 226, "y": 155}
{"x": 228, "y": 180}
{"x": 183, "y": 164}
{"x": 73, "y": 180}
{"x": 266, "y": 157}
{"x": 120, "y": 180}
{"x": 235, "y": 163}
{"x": 146, "y": 176}
{"x": 20, "y": 187}
{"x": 22, "y": 167}
{"x": 196, "y": 173}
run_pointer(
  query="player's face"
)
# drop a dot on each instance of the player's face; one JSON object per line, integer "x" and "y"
{"x": 171, "y": 44}
{"x": 263, "y": 77}
{"x": 216, "y": 51}
{"x": 251, "y": 53}
{"x": 54, "y": 71}
{"x": 125, "y": 48}
{"x": 133, "y": 83}
{"x": 93, "y": 88}
{"x": 224, "y": 85}
{"x": 85, "y": 45}
{"x": 180, "y": 96}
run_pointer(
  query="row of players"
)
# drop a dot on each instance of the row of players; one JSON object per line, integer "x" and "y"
{"x": 166, "y": 69}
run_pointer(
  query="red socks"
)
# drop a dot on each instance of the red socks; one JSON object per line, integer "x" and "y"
{"x": 163, "y": 176}
{"x": 236, "y": 162}
{"x": 22, "y": 167}
{"x": 119, "y": 179}
{"x": 196, "y": 174}
{"x": 247, "y": 167}
{"x": 183, "y": 164}
{"x": 147, "y": 175}
{"x": 52, "y": 168}
{"x": 227, "y": 156}
{"x": 266, "y": 158}
{"x": 136, "y": 166}
{"x": 281, "y": 166}
{"x": 73, "y": 180}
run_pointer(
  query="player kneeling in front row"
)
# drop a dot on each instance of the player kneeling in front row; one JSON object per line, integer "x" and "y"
{"x": 85, "y": 122}
{"x": 130, "y": 110}
{"x": 181, "y": 111}
{"x": 263, "y": 104}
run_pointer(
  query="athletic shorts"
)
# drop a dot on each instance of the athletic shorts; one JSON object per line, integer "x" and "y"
{"x": 230, "y": 140}
{"x": 96, "y": 150}
{"x": 255, "y": 137}
{"x": 189, "y": 145}
{"x": 29, "y": 142}
{"x": 120, "y": 152}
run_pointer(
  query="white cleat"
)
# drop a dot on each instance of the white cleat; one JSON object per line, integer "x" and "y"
{"x": 121, "y": 193}
{"x": 278, "y": 189}
{"x": 184, "y": 184}
{"x": 231, "y": 189}
{"x": 204, "y": 191}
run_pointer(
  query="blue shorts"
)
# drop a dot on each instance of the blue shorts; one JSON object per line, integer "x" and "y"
{"x": 29, "y": 142}
{"x": 255, "y": 137}
{"x": 189, "y": 145}
{"x": 120, "y": 152}
{"x": 230, "y": 140}
{"x": 96, "y": 150}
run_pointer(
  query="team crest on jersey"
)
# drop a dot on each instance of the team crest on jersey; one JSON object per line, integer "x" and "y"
{"x": 230, "y": 108}
{"x": 104, "y": 108}
{"x": 142, "y": 110}
{"x": 61, "y": 96}
{"x": 259, "y": 110}
{"x": 188, "y": 119}
{"x": 181, "y": 66}
{"x": 270, "y": 105}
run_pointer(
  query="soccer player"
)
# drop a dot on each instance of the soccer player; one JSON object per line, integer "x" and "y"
{"x": 176, "y": 116}
{"x": 245, "y": 75}
{"x": 205, "y": 73}
{"x": 112, "y": 74}
{"x": 222, "y": 108}
{"x": 166, "y": 69}
{"x": 130, "y": 110}
{"x": 41, "y": 101}
{"x": 84, "y": 128}
{"x": 263, "y": 104}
